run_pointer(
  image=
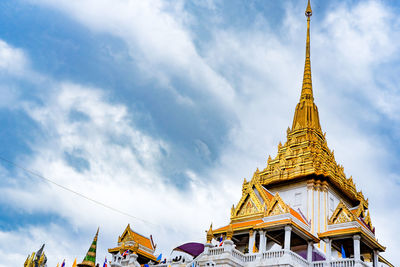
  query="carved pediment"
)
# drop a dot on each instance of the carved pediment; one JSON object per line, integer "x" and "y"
{"x": 277, "y": 206}
{"x": 248, "y": 208}
{"x": 342, "y": 214}
{"x": 253, "y": 198}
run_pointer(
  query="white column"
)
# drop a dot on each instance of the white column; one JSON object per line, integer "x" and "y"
{"x": 328, "y": 242}
{"x": 315, "y": 208}
{"x": 356, "y": 242}
{"x": 288, "y": 233}
{"x": 251, "y": 240}
{"x": 309, "y": 250}
{"x": 262, "y": 241}
{"x": 310, "y": 193}
{"x": 228, "y": 246}
{"x": 375, "y": 259}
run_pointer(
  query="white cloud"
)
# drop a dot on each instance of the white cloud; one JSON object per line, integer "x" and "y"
{"x": 155, "y": 33}
{"x": 123, "y": 172}
{"x": 12, "y": 60}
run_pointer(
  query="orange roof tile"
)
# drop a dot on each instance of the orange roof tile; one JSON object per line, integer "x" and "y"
{"x": 241, "y": 225}
{"x": 298, "y": 216}
{"x": 269, "y": 195}
{"x": 142, "y": 240}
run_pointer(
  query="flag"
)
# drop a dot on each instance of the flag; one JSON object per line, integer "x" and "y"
{"x": 74, "y": 264}
{"x": 343, "y": 253}
{"x": 105, "y": 262}
{"x": 63, "y": 264}
{"x": 125, "y": 253}
{"x": 221, "y": 241}
{"x": 159, "y": 257}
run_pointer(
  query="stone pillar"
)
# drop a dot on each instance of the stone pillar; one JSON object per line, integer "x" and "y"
{"x": 310, "y": 245}
{"x": 375, "y": 258}
{"x": 262, "y": 241}
{"x": 228, "y": 246}
{"x": 133, "y": 260}
{"x": 288, "y": 234}
{"x": 356, "y": 242}
{"x": 328, "y": 243}
{"x": 251, "y": 240}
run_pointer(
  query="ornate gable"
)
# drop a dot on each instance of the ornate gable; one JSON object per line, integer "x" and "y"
{"x": 253, "y": 200}
{"x": 127, "y": 235}
{"x": 342, "y": 214}
{"x": 277, "y": 206}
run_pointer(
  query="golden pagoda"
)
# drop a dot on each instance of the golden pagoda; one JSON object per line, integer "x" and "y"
{"x": 301, "y": 204}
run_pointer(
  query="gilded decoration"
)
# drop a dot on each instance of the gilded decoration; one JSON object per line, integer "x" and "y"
{"x": 277, "y": 206}
{"x": 305, "y": 151}
{"x": 248, "y": 208}
{"x": 252, "y": 201}
{"x": 210, "y": 235}
{"x": 342, "y": 214}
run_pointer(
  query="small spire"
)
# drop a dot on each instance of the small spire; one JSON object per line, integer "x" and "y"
{"x": 210, "y": 235}
{"x": 90, "y": 258}
{"x": 306, "y": 92}
{"x": 306, "y": 114}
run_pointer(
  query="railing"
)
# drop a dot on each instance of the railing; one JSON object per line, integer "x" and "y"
{"x": 216, "y": 251}
{"x": 273, "y": 254}
{"x": 318, "y": 264}
{"x": 297, "y": 258}
{"x": 342, "y": 263}
{"x": 250, "y": 257}
{"x": 238, "y": 255}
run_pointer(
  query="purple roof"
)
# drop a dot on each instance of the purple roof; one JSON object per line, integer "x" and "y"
{"x": 194, "y": 249}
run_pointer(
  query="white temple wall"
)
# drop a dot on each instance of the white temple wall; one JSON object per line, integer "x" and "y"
{"x": 295, "y": 195}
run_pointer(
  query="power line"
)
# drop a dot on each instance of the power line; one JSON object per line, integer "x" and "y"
{"x": 34, "y": 173}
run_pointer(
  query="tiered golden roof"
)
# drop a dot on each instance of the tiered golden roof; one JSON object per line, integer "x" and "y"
{"x": 306, "y": 151}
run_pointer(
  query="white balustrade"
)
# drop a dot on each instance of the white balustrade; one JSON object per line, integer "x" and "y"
{"x": 342, "y": 263}
{"x": 273, "y": 254}
{"x": 238, "y": 255}
{"x": 318, "y": 264}
{"x": 299, "y": 260}
{"x": 216, "y": 251}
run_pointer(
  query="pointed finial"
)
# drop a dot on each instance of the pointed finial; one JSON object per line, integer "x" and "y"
{"x": 97, "y": 233}
{"x": 308, "y": 10}
{"x": 210, "y": 234}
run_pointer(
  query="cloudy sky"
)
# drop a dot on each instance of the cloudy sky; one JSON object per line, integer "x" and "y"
{"x": 161, "y": 108}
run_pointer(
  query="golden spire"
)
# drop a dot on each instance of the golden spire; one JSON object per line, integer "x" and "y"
{"x": 210, "y": 235}
{"x": 306, "y": 115}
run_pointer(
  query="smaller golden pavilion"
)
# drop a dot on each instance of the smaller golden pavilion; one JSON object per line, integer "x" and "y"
{"x": 135, "y": 243}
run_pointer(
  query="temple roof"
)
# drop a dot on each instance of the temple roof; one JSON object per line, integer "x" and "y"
{"x": 130, "y": 235}
{"x": 135, "y": 242}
